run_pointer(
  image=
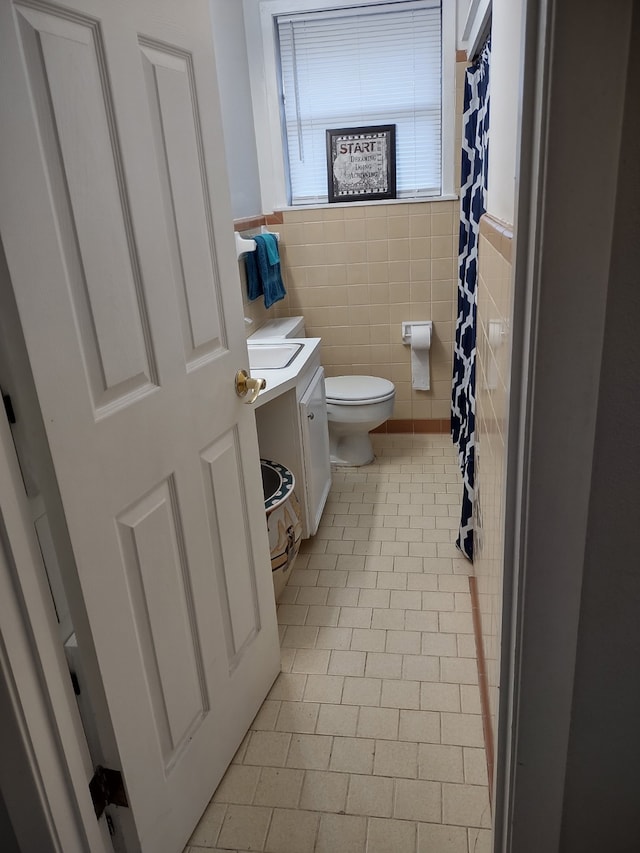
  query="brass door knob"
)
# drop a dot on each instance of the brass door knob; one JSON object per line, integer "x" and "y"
{"x": 247, "y": 385}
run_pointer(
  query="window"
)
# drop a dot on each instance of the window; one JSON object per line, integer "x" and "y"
{"x": 264, "y": 19}
{"x": 374, "y": 65}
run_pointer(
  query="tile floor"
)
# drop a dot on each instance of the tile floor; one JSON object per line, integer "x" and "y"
{"x": 371, "y": 739}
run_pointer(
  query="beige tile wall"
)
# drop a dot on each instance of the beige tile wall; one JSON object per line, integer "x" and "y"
{"x": 492, "y": 396}
{"x": 356, "y": 272}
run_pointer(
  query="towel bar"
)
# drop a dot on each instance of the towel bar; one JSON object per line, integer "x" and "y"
{"x": 247, "y": 244}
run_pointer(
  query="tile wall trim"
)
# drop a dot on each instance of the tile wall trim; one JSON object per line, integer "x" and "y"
{"x": 499, "y": 234}
{"x": 432, "y": 426}
{"x": 483, "y": 682}
{"x": 250, "y": 222}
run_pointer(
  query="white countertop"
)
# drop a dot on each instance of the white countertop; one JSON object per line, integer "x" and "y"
{"x": 280, "y": 380}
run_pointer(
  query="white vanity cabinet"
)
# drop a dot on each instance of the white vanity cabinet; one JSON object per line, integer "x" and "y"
{"x": 292, "y": 429}
{"x": 315, "y": 448}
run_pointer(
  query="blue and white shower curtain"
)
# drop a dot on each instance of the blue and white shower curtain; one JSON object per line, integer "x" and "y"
{"x": 473, "y": 195}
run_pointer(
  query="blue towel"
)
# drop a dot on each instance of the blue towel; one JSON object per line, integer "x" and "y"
{"x": 263, "y": 271}
{"x": 254, "y": 285}
{"x": 271, "y": 242}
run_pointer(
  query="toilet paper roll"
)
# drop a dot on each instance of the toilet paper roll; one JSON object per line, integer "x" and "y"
{"x": 420, "y": 345}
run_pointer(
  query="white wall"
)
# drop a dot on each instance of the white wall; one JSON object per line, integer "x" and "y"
{"x": 462, "y": 10}
{"x": 237, "y": 116}
{"x": 235, "y": 100}
{"x": 506, "y": 49}
{"x": 504, "y": 120}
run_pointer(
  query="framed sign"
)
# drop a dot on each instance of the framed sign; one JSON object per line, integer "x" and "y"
{"x": 361, "y": 163}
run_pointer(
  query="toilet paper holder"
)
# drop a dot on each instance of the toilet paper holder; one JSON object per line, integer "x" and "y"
{"x": 417, "y": 334}
{"x": 407, "y": 326}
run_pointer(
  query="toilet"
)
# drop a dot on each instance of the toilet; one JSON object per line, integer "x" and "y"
{"x": 356, "y": 405}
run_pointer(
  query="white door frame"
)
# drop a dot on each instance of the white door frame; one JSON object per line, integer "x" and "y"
{"x": 45, "y": 777}
{"x": 568, "y": 164}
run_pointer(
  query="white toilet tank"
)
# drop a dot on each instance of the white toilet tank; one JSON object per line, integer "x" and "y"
{"x": 281, "y": 327}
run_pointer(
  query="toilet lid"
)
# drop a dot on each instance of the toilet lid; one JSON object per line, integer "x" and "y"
{"x": 351, "y": 390}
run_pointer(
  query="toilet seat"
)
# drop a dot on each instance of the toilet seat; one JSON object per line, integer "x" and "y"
{"x": 357, "y": 390}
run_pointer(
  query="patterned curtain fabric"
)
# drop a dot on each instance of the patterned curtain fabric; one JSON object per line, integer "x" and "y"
{"x": 473, "y": 195}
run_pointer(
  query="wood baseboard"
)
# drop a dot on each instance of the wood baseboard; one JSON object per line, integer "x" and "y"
{"x": 440, "y": 426}
{"x": 250, "y": 222}
{"x": 482, "y": 682}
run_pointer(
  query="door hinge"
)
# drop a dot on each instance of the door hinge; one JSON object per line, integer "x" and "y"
{"x": 75, "y": 683}
{"x": 8, "y": 407}
{"x": 110, "y": 824}
{"x": 107, "y": 788}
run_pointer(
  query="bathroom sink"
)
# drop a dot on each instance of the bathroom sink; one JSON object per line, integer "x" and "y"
{"x": 265, "y": 356}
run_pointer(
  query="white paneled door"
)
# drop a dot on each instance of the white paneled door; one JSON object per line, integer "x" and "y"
{"x": 116, "y": 224}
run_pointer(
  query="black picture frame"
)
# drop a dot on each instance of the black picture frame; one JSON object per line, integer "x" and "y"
{"x": 361, "y": 163}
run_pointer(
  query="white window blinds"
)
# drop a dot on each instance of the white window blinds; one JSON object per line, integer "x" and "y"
{"x": 379, "y": 65}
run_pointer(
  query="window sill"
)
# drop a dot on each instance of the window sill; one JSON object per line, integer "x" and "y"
{"x": 377, "y": 203}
